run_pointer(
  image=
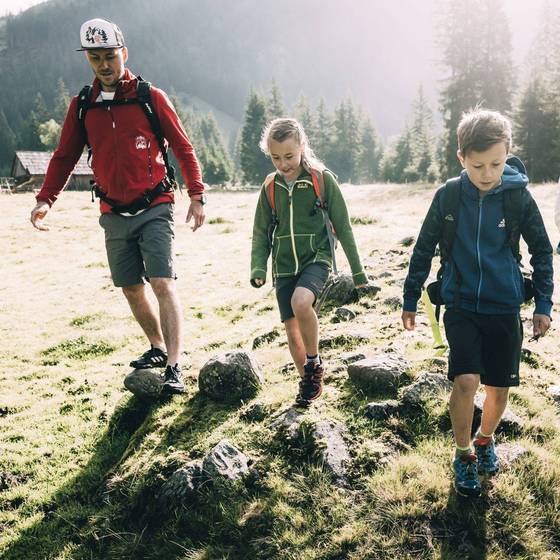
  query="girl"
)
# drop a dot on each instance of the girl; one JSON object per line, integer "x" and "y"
{"x": 292, "y": 219}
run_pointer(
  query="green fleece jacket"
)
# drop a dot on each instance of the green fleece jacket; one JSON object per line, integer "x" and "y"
{"x": 300, "y": 237}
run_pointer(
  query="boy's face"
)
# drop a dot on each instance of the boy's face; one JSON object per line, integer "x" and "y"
{"x": 485, "y": 168}
{"x": 286, "y": 157}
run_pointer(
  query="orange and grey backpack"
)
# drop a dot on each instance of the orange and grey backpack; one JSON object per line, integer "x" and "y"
{"x": 321, "y": 204}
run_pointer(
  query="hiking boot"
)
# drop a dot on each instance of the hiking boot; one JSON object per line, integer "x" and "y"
{"x": 466, "y": 483}
{"x": 172, "y": 381}
{"x": 152, "y": 358}
{"x": 488, "y": 462}
{"x": 311, "y": 385}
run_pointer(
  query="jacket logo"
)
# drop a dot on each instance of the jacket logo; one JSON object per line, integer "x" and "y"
{"x": 302, "y": 186}
{"x": 449, "y": 218}
{"x": 95, "y": 35}
{"x": 141, "y": 143}
{"x": 502, "y": 224}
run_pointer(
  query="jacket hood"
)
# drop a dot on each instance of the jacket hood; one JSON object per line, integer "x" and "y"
{"x": 513, "y": 177}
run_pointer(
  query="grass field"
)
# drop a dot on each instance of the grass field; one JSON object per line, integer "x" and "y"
{"x": 81, "y": 460}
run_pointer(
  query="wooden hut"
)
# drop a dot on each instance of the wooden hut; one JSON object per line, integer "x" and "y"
{"x": 29, "y": 170}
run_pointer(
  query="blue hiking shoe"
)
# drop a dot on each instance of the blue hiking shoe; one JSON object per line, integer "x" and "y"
{"x": 488, "y": 462}
{"x": 466, "y": 483}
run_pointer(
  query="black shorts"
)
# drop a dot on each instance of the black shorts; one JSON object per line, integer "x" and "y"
{"x": 312, "y": 277}
{"x": 489, "y": 345}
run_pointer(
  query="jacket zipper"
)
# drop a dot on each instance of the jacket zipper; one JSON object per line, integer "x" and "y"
{"x": 116, "y": 151}
{"x": 292, "y": 231}
{"x": 478, "y": 253}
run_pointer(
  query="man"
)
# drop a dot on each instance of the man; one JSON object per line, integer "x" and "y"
{"x": 135, "y": 185}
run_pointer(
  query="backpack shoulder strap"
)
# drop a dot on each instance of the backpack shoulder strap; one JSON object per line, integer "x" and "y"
{"x": 451, "y": 204}
{"x": 82, "y": 107}
{"x": 269, "y": 186}
{"x": 144, "y": 96}
{"x": 514, "y": 214}
{"x": 318, "y": 181}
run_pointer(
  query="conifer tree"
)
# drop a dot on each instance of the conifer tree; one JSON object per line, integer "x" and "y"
{"x": 7, "y": 144}
{"x": 479, "y": 67}
{"x": 324, "y": 133}
{"x": 254, "y": 164}
{"x": 275, "y": 104}
{"x": 421, "y": 166}
{"x": 62, "y": 101}
{"x": 369, "y": 155}
{"x": 397, "y": 158}
{"x": 304, "y": 114}
{"x": 344, "y": 151}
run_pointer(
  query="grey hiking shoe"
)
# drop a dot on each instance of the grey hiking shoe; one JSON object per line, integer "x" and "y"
{"x": 152, "y": 358}
{"x": 466, "y": 482}
{"x": 172, "y": 381}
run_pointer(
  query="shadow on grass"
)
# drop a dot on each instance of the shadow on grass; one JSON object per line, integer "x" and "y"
{"x": 462, "y": 528}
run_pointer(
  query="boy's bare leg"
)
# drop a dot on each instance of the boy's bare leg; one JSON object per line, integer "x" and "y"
{"x": 302, "y": 305}
{"x": 461, "y": 407}
{"x": 145, "y": 313}
{"x": 493, "y": 409}
{"x": 295, "y": 343}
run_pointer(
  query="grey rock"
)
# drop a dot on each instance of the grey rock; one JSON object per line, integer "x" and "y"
{"x": 144, "y": 383}
{"x": 266, "y": 338}
{"x": 385, "y": 371}
{"x": 554, "y": 392}
{"x": 351, "y": 357}
{"x": 385, "y": 274}
{"x": 426, "y": 387}
{"x": 510, "y": 423}
{"x": 343, "y": 314}
{"x": 288, "y": 369}
{"x": 225, "y": 461}
{"x": 288, "y": 422}
{"x": 340, "y": 291}
{"x": 510, "y": 453}
{"x": 382, "y": 410}
{"x": 347, "y": 338}
{"x": 331, "y": 448}
{"x": 180, "y": 486}
{"x": 231, "y": 377}
{"x": 369, "y": 290}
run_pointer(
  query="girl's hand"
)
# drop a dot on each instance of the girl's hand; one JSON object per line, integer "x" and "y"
{"x": 258, "y": 282}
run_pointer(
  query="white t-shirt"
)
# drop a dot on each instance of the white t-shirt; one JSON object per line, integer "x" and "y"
{"x": 106, "y": 95}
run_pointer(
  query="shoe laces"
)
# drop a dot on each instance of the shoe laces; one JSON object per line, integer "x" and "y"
{"x": 171, "y": 373}
{"x": 469, "y": 467}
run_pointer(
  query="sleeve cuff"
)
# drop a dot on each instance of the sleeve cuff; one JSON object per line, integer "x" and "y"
{"x": 360, "y": 278}
{"x": 410, "y": 305}
{"x": 543, "y": 308}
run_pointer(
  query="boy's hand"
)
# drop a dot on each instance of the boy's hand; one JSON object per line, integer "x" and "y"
{"x": 541, "y": 324}
{"x": 408, "y": 320}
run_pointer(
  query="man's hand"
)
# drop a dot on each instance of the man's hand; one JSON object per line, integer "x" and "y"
{"x": 38, "y": 214}
{"x": 196, "y": 211}
{"x": 408, "y": 320}
{"x": 541, "y": 324}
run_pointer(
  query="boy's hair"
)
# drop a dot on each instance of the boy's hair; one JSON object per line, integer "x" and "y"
{"x": 284, "y": 128}
{"x": 479, "y": 129}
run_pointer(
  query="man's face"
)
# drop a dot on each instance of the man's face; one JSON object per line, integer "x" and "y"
{"x": 108, "y": 66}
{"x": 286, "y": 157}
{"x": 485, "y": 168}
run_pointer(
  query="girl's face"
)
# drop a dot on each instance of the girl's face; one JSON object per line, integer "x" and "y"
{"x": 286, "y": 157}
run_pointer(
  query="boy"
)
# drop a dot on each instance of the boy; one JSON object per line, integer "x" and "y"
{"x": 482, "y": 287}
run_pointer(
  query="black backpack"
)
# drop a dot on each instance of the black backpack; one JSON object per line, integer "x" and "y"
{"x": 514, "y": 212}
{"x": 144, "y": 99}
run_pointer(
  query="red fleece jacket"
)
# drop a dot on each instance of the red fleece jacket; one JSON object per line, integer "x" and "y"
{"x": 126, "y": 156}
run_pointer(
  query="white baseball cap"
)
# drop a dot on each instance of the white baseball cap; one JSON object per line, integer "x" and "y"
{"x": 100, "y": 34}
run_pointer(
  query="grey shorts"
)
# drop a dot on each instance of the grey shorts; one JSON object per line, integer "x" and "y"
{"x": 312, "y": 277}
{"x": 140, "y": 247}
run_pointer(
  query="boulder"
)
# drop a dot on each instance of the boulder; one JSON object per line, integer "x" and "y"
{"x": 426, "y": 387}
{"x": 510, "y": 453}
{"x": 331, "y": 448}
{"x": 382, "y": 410}
{"x": 393, "y": 303}
{"x": 226, "y": 461}
{"x": 145, "y": 383}
{"x": 342, "y": 315}
{"x": 288, "y": 422}
{"x": 510, "y": 423}
{"x": 340, "y": 291}
{"x": 554, "y": 392}
{"x": 180, "y": 486}
{"x": 231, "y": 377}
{"x": 351, "y": 357}
{"x": 385, "y": 371}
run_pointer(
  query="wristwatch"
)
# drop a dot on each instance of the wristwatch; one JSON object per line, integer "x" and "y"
{"x": 200, "y": 197}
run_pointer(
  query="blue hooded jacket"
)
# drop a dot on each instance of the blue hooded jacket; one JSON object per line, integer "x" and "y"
{"x": 489, "y": 281}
